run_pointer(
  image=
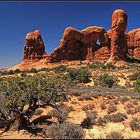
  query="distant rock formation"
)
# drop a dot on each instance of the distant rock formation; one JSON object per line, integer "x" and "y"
{"x": 88, "y": 44}
{"x": 118, "y": 37}
{"x": 91, "y": 43}
{"x": 133, "y": 39}
{"x": 34, "y": 48}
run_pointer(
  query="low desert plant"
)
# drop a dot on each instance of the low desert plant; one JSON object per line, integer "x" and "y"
{"x": 131, "y": 111}
{"x": 87, "y": 123}
{"x": 118, "y": 117}
{"x": 88, "y": 107}
{"x": 81, "y": 74}
{"x": 89, "y": 120}
{"x": 17, "y": 71}
{"x": 64, "y": 131}
{"x": 32, "y": 70}
{"x": 60, "y": 68}
{"x": 106, "y": 80}
{"x": 134, "y": 76}
{"x": 135, "y": 125}
{"x": 124, "y": 99}
{"x": 61, "y": 115}
{"x": 85, "y": 97}
{"x": 114, "y": 135}
{"x": 103, "y": 106}
{"x": 137, "y": 85}
{"x": 111, "y": 108}
{"x": 100, "y": 121}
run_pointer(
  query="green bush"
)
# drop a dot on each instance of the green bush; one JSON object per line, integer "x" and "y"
{"x": 35, "y": 91}
{"x": 137, "y": 85}
{"x": 101, "y": 66}
{"x": 17, "y": 71}
{"x": 60, "y": 68}
{"x": 32, "y": 70}
{"x": 134, "y": 76}
{"x": 10, "y": 72}
{"x": 105, "y": 80}
{"x": 81, "y": 75}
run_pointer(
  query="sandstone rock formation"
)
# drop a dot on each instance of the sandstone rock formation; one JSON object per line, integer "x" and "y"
{"x": 118, "y": 38}
{"x": 133, "y": 41}
{"x": 82, "y": 45}
{"x": 34, "y": 48}
{"x": 91, "y": 43}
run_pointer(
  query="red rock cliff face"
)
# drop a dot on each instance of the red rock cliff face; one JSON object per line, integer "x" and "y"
{"x": 118, "y": 37}
{"x": 34, "y": 48}
{"x": 82, "y": 45}
{"x": 133, "y": 41}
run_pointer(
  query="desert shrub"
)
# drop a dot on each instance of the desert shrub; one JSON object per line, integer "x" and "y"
{"x": 23, "y": 74}
{"x": 134, "y": 76}
{"x": 135, "y": 125}
{"x": 88, "y": 107}
{"x": 91, "y": 114}
{"x": 89, "y": 120}
{"x": 100, "y": 121}
{"x": 101, "y": 66}
{"x": 60, "y": 68}
{"x": 115, "y": 101}
{"x": 111, "y": 108}
{"x": 111, "y": 97}
{"x": 124, "y": 99}
{"x": 64, "y": 131}
{"x": 35, "y": 91}
{"x": 61, "y": 115}
{"x": 17, "y": 71}
{"x": 114, "y": 135}
{"x": 106, "y": 118}
{"x": 10, "y": 72}
{"x": 81, "y": 74}
{"x": 44, "y": 69}
{"x": 32, "y": 70}
{"x": 103, "y": 105}
{"x": 110, "y": 66}
{"x": 105, "y": 81}
{"x": 131, "y": 111}
{"x": 137, "y": 85}
{"x": 87, "y": 123}
{"x": 85, "y": 97}
{"x": 118, "y": 117}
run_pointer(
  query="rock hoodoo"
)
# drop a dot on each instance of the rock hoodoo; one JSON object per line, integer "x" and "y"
{"x": 118, "y": 37}
{"x": 34, "y": 48}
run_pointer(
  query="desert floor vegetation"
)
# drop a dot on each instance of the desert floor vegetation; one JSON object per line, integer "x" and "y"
{"x": 91, "y": 101}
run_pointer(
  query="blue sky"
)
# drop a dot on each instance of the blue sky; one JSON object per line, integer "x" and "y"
{"x": 51, "y": 18}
